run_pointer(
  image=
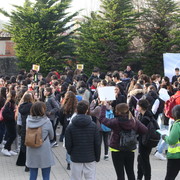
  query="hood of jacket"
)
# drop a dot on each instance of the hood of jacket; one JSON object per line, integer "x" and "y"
{"x": 36, "y": 121}
{"x": 135, "y": 92}
{"x": 81, "y": 120}
{"x": 24, "y": 108}
{"x": 126, "y": 123}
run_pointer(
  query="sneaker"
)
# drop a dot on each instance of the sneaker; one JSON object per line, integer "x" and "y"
{"x": 54, "y": 144}
{"x": 5, "y": 152}
{"x": 106, "y": 157}
{"x": 68, "y": 167}
{"x": 26, "y": 169}
{"x": 160, "y": 156}
{"x": 13, "y": 153}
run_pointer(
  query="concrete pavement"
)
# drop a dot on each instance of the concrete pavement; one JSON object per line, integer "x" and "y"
{"x": 105, "y": 170}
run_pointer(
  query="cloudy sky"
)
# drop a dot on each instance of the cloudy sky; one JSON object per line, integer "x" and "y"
{"x": 86, "y": 5}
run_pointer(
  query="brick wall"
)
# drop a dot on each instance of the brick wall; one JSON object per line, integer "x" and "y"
{"x": 9, "y": 49}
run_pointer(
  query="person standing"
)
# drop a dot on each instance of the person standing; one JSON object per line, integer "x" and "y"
{"x": 67, "y": 111}
{"x": 122, "y": 159}
{"x": 129, "y": 71}
{"x": 2, "y": 125}
{"x": 82, "y": 142}
{"x": 24, "y": 110}
{"x": 176, "y": 76}
{"x": 173, "y": 155}
{"x": 52, "y": 107}
{"x": 144, "y": 167}
{"x": 40, "y": 157}
{"x": 10, "y": 123}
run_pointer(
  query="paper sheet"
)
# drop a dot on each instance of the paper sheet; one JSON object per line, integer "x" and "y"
{"x": 163, "y": 131}
{"x": 106, "y": 93}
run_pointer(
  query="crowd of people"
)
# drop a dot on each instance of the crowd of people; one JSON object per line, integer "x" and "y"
{"x": 71, "y": 100}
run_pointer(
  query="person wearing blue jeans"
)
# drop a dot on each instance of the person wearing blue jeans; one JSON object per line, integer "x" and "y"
{"x": 42, "y": 156}
{"x": 161, "y": 146}
{"x": 45, "y": 173}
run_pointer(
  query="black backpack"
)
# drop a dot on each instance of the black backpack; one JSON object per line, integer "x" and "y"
{"x": 128, "y": 140}
{"x": 151, "y": 139}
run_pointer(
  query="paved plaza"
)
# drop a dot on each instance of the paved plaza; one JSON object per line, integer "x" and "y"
{"x": 105, "y": 170}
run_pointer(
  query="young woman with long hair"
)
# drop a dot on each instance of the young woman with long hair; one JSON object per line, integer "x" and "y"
{"x": 24, "y": 110}
{"x": 66, "y": 113}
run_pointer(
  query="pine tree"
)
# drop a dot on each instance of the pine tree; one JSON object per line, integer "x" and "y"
{"x": 105, "y": 37}
{"x": 157, "y": 22}
{"x": 39, "y": 31}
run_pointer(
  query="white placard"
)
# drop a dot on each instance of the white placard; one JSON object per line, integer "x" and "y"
{"x": 35, "y": 67}
{"x": 80, "y": 66}
{"x": 106, "y": 93}
{"x": 171, "y": 61}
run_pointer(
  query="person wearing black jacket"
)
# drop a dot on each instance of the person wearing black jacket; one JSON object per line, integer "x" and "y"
{"x": 9, "y": 120}
{"x": 82, "y": 142}
{"x": 2, "y": 101}
{"x": 24, "y": 111}
{"x": 144, "y": 167}
{"x": 175, "y": 77}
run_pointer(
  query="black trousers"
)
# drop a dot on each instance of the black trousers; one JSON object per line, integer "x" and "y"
{"x": 105, "y": 137}
{"x": 123, "y": 160}
{"x": 2, "y": 131}
{"x": 54, "y": 129}
{"x": 173, "y": 168}
{"x": 11, "y": 134}
{"x": 144, "y": 167}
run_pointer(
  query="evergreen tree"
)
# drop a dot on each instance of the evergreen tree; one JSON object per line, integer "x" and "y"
{"x": 105, "y": 37}
{"x": 157, "y": 22}
{"x": 39, "y": 31}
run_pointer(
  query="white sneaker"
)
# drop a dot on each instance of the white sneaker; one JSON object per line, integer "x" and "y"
{"x": 13, "y": 153}
{"x": 54, "y": 144}
{"x": 160, "y": 156}
{"x": 5, "y": 152}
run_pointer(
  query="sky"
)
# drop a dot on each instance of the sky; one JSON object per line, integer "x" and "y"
{"x": 86, "y": 5}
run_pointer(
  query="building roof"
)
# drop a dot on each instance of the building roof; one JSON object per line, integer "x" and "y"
{"x": 5, "y": 35}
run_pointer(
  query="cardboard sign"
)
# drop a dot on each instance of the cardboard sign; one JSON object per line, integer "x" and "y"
{"x": 80, "y": 66}
{"x": 35, "y": 67}
{"x": 107, "y": 93}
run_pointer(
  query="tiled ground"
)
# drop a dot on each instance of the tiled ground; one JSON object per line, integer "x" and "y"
{"x": 105, "y": 170}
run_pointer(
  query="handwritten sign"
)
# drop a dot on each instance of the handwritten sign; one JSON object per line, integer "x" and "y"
{"x": 35, "y": 67}
{"x": 80, "y": 66}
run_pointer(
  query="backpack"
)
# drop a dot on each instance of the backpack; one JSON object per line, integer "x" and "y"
{"x": 151, "y": 139}
{"x": 169, "y": 104}
{"x": 33, "y": 137}
{"x": 1, "y": 114}
{"x": 128, "y": 140}
{"x": 109, "y": 115}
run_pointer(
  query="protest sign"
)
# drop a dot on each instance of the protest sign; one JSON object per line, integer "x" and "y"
{"x": 106, "y": 93}
{"x": 35, "y": 67}
{"x": 80, "y": 66}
